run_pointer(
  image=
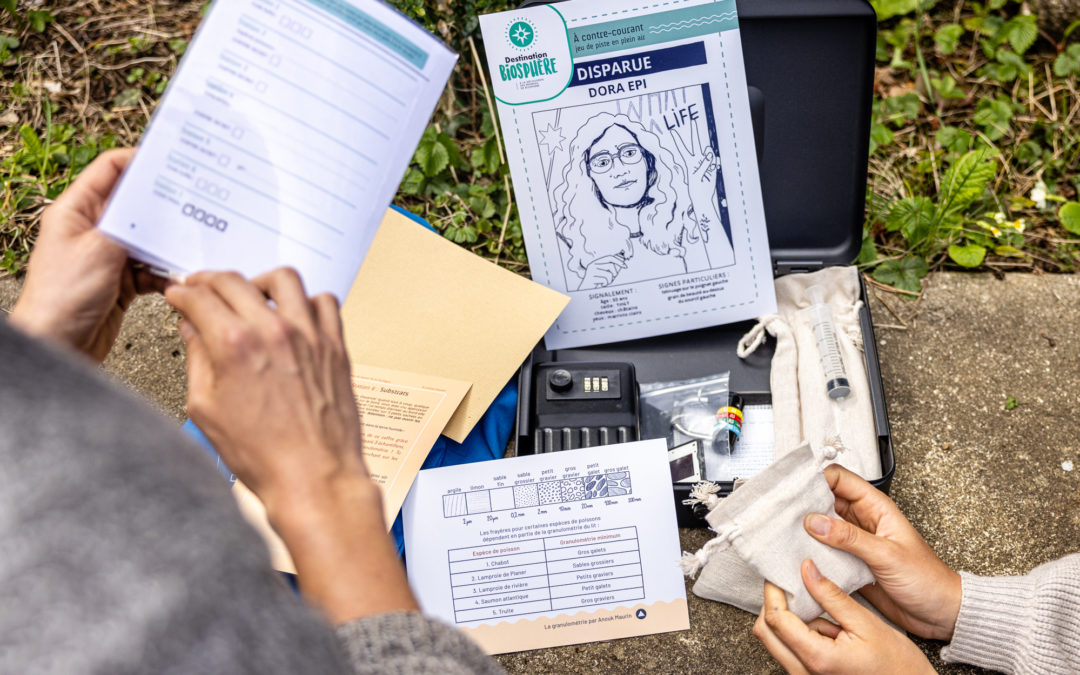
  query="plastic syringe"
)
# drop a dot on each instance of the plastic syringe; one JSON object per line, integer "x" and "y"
{"x": 821, "y": 322}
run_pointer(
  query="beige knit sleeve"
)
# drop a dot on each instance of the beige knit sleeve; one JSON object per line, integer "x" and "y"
{"x": 408, "y": 643}
{"x": 1028, "y": 624}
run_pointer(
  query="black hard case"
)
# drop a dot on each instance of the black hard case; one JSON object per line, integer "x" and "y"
{"x": 810, "y": 69}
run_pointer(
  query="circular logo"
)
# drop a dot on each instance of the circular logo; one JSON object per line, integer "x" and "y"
{"x": 641, "y": 614}
{"x": 521, "y": 34}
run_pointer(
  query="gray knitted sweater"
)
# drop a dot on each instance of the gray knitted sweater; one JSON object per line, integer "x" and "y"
{"x": 1028, "y": 624}
{"x": 122, "y": 551}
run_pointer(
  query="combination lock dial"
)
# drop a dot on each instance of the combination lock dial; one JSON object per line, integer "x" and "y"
{"x": 579, "y": 405}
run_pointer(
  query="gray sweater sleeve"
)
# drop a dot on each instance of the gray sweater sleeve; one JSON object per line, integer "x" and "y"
{"x": 1028, "y": 624}
{"x": 122, "y": 550}
{"x": 405, "y": 643}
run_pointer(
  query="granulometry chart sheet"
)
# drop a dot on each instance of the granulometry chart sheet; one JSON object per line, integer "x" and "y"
{"x": 548, "y": 550}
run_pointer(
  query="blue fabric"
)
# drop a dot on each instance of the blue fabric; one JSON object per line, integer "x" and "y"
{"x": 196, "y": 433}
{"x": 487, "y": 440}
{"x": 413, "y": 217}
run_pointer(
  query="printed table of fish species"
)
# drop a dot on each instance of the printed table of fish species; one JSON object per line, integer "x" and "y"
{"x": 548, "y": 550}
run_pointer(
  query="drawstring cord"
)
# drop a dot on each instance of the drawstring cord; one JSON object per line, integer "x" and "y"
{"x": 692, "y": 563}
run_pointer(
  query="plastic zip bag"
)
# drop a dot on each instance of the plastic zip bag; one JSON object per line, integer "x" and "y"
{"x": 685, "y": 411}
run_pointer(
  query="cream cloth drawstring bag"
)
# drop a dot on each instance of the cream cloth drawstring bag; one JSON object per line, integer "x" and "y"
{"x": 802, "y": 410}
{"x": 759, "y": 527}
{"x": 760, "y": 535}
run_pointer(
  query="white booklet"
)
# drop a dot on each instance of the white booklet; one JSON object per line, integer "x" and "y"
{"x": 628, "y": 131}
{"x": 548, "y": 550}
{"x": 281, "y": 140}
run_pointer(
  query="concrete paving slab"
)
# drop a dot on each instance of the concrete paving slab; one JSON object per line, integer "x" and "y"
{"x": 987, "y": 486}
{"x": 148, "y": 355}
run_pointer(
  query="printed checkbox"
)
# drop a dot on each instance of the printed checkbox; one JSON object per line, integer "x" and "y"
{"x": 224, "y": 160}
{"x": 275, "y": 60}
{"x": 260, "y": 86}
{"x": 238, "y": 132}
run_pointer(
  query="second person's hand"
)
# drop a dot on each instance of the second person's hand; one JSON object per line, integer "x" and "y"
{"x": 858, "y": 643}
{"x": 913, "y": 587}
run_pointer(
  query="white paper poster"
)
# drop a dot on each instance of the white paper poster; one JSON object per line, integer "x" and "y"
{"x": 631, "y": 148}
{"x": 547, "y": 550}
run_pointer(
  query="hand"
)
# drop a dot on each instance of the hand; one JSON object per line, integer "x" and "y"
{"x": 271, "y": 388}
{"x": 913, "y": 587}
{"x": 704, "y": 168}
{"x": 861, "y": 643}
{"x": 602, "y": 271}
{"x": 79, "y": 284}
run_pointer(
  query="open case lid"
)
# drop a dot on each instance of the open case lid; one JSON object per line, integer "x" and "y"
{"x": 813, "y": 63}
{"x": 810, "y": 70}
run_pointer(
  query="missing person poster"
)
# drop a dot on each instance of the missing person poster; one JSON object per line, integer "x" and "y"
{"x": 628, "y": 133}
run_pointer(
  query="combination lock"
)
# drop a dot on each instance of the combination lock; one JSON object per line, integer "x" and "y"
{"x": 579, "y": 405}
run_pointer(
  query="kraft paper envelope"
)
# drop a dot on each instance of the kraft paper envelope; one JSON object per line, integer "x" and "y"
{"x": 423, "y": 304}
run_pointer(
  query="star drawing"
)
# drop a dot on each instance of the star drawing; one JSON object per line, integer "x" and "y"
{"x": 552, "y": 137}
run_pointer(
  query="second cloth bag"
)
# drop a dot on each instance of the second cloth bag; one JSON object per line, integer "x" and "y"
{"x": 802, "y": 409}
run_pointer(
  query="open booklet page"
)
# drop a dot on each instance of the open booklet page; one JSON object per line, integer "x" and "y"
{"x": 628, "y": 131}
{"x": 281, "y": 140}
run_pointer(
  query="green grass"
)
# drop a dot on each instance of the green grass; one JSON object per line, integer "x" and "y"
{"x": 974, "y": 154}
{"x": 975, "y": 143}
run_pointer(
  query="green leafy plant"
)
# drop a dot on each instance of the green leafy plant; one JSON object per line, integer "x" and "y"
{"x": 947, "y": 37}
{"x": 39, "y": 19}
{"x": 1068, "y": 62}
{"x": 931, "y": 227}
{"x": 40, "y": 168}
{"x": 968, "y": 255}
{"x": 466, "y": 198}
{"x": 1069, "y": 215}
{"x": 886, "y": 9}
{"x": 8, "y": 44}
{"x": 905, "y": 274}
{"x": 994, "y": 116}
{"x": 178, "y": 45}
{"x": 927, "y": 225}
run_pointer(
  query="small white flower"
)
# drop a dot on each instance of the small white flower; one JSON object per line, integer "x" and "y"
{"x": 1067, "y": 465}
{"x": 999, "y": 217}
{"x": 1038, "y": 194}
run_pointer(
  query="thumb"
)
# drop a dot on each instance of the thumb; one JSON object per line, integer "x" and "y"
{"x": 847, "y": 537}
{"x": 840, "y": 606}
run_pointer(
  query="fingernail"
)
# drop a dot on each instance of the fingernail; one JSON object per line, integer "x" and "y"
{"x": 819, "y": 525}
{"x": 812, "y": 570}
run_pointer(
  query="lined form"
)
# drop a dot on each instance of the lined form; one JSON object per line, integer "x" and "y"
{"x": 281, "y": 140}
